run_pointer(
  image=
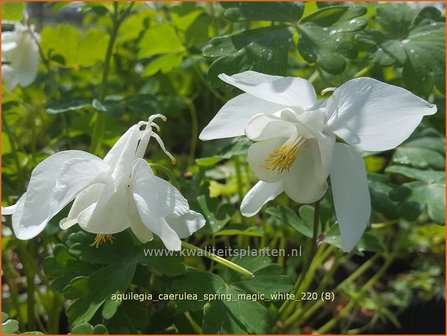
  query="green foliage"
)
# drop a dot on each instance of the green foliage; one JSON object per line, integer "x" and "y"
{"x": 262, "y": 49}
{"x": 227, "y": 312}
{"x": 326, "y": 36}
{"x": 263, "y": 11}
{"x": 13, "y": 11}
{"x": 166, "y": 58}
{"x": 9, "y": 326}
{"x": 78, "y": 50}
{"x": 411, "y": 39}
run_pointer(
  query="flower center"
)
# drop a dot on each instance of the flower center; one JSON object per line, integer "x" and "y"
{"x": 101, "y": 239}
{"x": 285, "y": 155}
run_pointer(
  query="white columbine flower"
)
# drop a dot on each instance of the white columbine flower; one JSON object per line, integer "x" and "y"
{"x": 294, "y": 134}
{"x": 109, "y": 195}
{"x": 20, "y": 54}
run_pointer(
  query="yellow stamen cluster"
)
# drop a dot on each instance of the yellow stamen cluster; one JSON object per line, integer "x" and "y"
{"x": 101, "y": 239}
{"x": 285, "y": 155}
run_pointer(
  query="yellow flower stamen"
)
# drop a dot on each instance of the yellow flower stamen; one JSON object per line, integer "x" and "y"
{"x": 285, "y": 155}
{"x": 101, "y": 239}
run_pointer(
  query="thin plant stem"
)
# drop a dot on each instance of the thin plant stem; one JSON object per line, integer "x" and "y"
{"x": 309, "y": 259}
{"x": 363, "y": 71}
{"x": 98, "y": 131}
{"x": 194, "y": 133}
{"x": 240, "y": 190}
{"x": 219, "y": 260}
{"x": 12, "y": 141}
{"x": 354, "y": 276}
{"x": 208, "y": 85}
{"x": 333, "y": 322}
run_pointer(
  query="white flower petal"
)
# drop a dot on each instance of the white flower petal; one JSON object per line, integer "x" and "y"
{"x": 287, "y": 91}
{"x": 10, "y": 209}
{"x": 110, "y": 214}
{"x": 38, "y": 208}
{"x": 351, "y": 195}
{"x": 122, "y": 154}
{"x": 375, "y": 116}
{"x": 155, "y": 200}
{"x": 264, "y": 127}
{"x": 140, "y": 231}
{"x": 306, "y": 180}
{"x": 186, "y": 224}
{"x": 8, "y": 77}
{"x": 26, "y": 67}
{"x": 259, "y": 195}
{"x": 76, "y": 174}
{"x": 157, "y": 223}
{"x": 137, "y": 226}
{"x": 85, "y": 199}
{"x": 233, "y": 117}
{"x": 258, "y": 156}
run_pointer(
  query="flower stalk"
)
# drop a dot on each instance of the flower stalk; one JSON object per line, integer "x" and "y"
{"x": 98, "y": 131}
{"x": 219, "y": 260}
{"x": 284, "y": 309}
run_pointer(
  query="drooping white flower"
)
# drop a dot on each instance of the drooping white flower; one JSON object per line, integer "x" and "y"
{"x": 20, "y": 54}
{"x": 109, "y": 195}
{"x": 294, "y": 134}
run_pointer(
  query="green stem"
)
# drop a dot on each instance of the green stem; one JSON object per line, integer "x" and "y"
{"x": 240, "y": 187}
{"x": 314, "y": 76}
{"x": 309, "y": 259}
{"x": 220, "y": 260}
{"x": 363, "y": 72}
{"x": 333, "y": 322}
{"x": 98, "y": 131}
{"x": 207, "y": 85}
{"x": 28, "y": 268}
{"x": 14, "y": 150}
{"x": 194, "y": 133}
{"x": 354, "y": 276}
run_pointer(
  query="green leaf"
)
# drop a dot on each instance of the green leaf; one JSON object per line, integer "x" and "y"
{"x": 379, "y": 189}
{"x": 269, "y": 278}
{"x": 239, "y": 146}
{"x": 199, "y": 283}
{"x": 101, "y": 285}
{"x": 163, "y": 63}
{"x": 417, "y": 174}
{"x": 82, "y": 328}
{"x": 142, "y": 104}
{"x": 13, "y": 11}
{"x": 208, "y": 161}
{"x": 412, "y": 40}
{"x": 289, "y": 217}
{"x": 100, "y": 329}
{"x": 160, "y": 39}
{"x": 121, "y": 249}
{"x": 262, "y": 49}
{"x": 168, "y": 264}
{"x": 9, "y": 326}
{"x": 326, "y": 36}
{"x": 67, "y": 106}
{"x": 263, "y": 11}
{"x": 217, "y": 215}
{"x": 78, "y": 50}
{"x": 429, "y": 197}
{"x": 64, "y": 267}
{"x": 237, "y": 295}
{"x": 224, "y": 317}
{"x": 418, "y": 157}
{"x": 368, "y": 243}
